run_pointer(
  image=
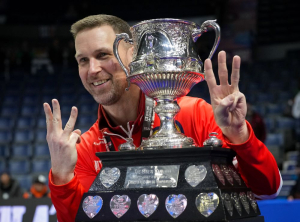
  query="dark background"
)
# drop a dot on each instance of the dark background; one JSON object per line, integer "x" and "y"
{"x": 265, "y": 33}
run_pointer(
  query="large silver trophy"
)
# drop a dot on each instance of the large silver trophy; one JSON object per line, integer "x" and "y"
{"x": 166, "y": 66}
{"x": 192, "y": 184}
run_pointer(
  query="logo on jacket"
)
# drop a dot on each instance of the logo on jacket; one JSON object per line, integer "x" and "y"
{"x": 101, "y": 141}
{"x": 97, "y": 165}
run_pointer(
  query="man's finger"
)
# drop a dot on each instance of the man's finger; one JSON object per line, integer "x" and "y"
{"x": 56, "y": 120}
{"x": 209, "y": 74}
{"x": 222, "y": 68}
{"x": 227, "y": 102}
{"x": 238, "y": 98}
{"x": 49, "y": 116}
{"x": 78, "y": 131}
{"x": 74, "y": 138}
{"x": 71, "y": 123}
{"x": 222, "y": 110}
{"x": 233, "y": 106}
{"x": 235, "y": 75}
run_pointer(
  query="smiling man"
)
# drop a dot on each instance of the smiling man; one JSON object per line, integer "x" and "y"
{"x": 73, "y": 159}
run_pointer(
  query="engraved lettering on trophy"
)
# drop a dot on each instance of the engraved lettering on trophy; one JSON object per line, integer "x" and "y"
{"x": 236, "y": 203}
{"x": 119, "y": 205}
{"x": 195, "y": 174}
{"x": 109, "y": 176}
{"x": 252, "y": 201}
{"x": 176, "y": 204}
{"x": 227, "y": 202}
{"x": 226, "y": 173}
{"x": 147, "y": 204}
{"x": 235, "y": 174}
{"x": 218, "y": 173}
{"x": 92, "y": 205}
{"x": 152, "y": 176}
{"x": 245, "y": 202}
{"x": 207, "y": 203}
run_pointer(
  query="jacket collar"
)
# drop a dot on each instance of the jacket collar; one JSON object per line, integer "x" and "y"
{"x": 105, "y": 124}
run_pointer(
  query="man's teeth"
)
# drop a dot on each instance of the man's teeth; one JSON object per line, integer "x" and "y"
{"x": 100, "y": 82}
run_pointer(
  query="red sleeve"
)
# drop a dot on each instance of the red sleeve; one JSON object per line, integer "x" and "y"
{"x": 66, "y": 198}
{"x": 257, "y": 166}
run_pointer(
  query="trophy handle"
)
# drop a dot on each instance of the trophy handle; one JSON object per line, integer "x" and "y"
{"x": 205, "y": 25}
{"x": 126, "y": 38}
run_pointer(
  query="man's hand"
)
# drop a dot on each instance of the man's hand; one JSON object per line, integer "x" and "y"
{"x": 62, "y": 143}
{"x": 228, "y": 103}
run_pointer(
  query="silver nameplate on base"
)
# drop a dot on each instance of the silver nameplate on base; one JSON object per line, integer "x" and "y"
{"x": 152, "y": 176}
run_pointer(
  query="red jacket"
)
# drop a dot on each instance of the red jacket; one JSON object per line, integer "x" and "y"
{"x": 196, "y": 119}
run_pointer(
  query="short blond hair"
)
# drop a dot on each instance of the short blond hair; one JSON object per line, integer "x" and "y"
{"x": 93, "y": 21}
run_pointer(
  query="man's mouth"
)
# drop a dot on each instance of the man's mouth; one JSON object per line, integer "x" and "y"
{"x": 100, "y": 82}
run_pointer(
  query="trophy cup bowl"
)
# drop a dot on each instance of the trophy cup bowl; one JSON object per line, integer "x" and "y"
{"x": 166, "y": 66}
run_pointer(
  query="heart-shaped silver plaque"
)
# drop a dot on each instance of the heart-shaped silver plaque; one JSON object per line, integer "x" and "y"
{"x": 109, "y": 176}
{"x": 207, "y": 203}
{"x": 92, "y": 205}
{"x": 119, "y": 205}
{"x": 195, "y": 174}
{"x": 147, "y": 204}
{"x": 176, "y": 204}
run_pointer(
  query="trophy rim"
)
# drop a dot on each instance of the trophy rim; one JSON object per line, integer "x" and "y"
{"x": 167, "y": 20}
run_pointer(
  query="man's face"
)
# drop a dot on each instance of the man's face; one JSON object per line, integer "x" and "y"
{"x": 38, "y": 186}
{"x": 5, "y": 179}
{"x": 99, "y": 70}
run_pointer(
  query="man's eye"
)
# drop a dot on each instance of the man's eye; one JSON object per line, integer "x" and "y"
{"x": 83, "y": 60}
{"x": 102, "y": 54}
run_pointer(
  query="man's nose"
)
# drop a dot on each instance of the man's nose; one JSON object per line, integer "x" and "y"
{"x": 94, "y": 67}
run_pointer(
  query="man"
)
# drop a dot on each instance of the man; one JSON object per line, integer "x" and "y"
{"x": 38, "y": 189}
{"x": 74, "y": 167}
{"x": 9, "y": 187}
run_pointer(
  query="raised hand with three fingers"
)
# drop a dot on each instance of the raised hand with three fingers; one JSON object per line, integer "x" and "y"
{"x": 228, "y": 103}
{"x": 62, "y": 143}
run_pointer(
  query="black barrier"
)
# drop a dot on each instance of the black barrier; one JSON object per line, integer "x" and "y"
{"x": 27, "y": 210}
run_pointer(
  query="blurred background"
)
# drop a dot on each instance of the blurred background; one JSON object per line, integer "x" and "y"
{"x": 37, "y": 64}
